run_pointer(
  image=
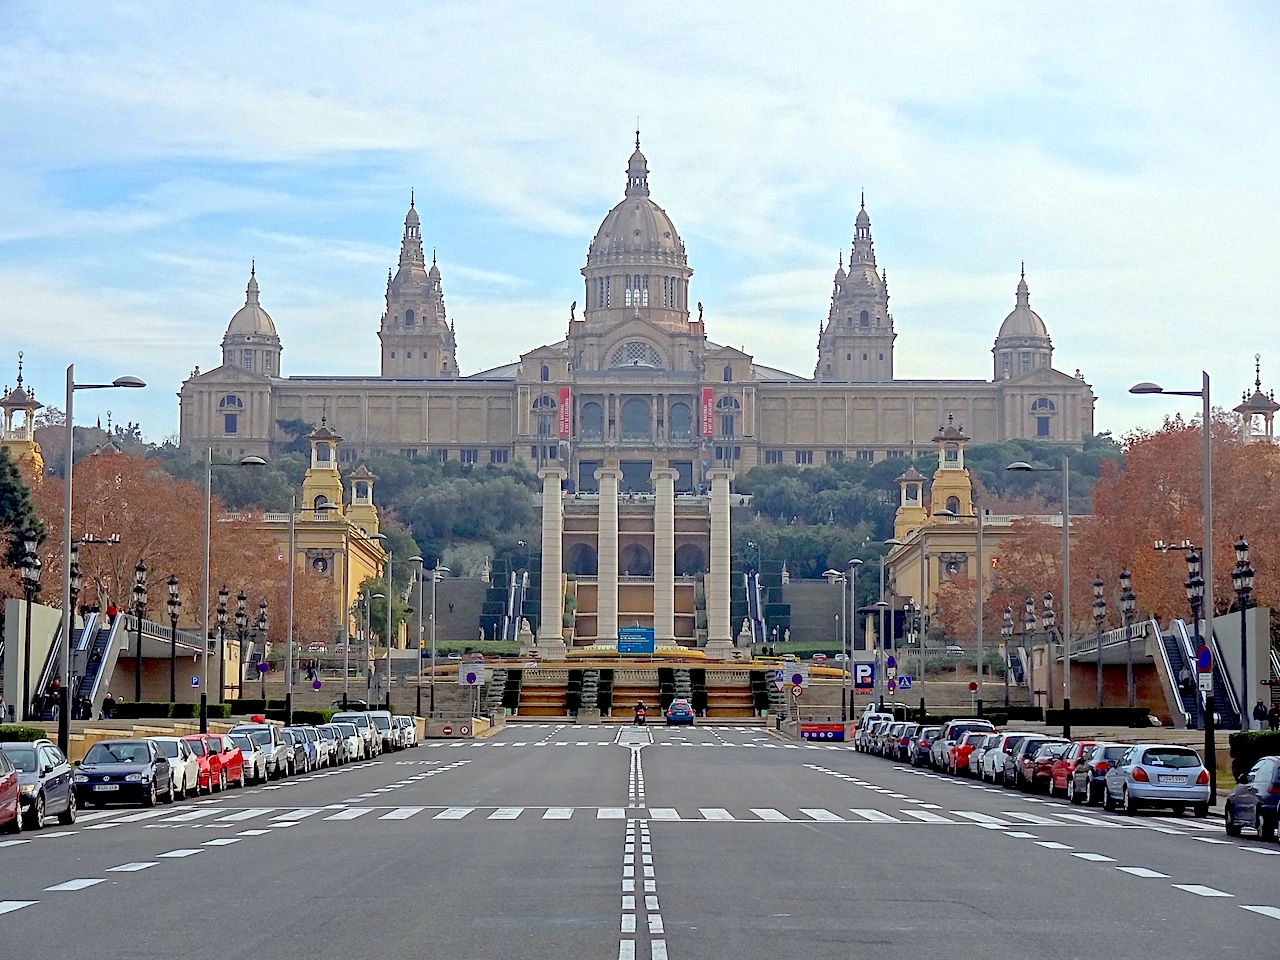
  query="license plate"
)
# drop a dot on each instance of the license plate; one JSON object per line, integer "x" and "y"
{"x": 106, "y": 786}
{"x": 1167, "y": 778}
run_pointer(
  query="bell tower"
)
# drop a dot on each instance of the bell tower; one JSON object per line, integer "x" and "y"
{"x": 322, "y": 483}
{"x": 911, "y": 513}
{"x": 952, "y": 487}
{"x": 417, "y": 340}
{"x": 362, "y": 513}
{"x": 19, "y": 406}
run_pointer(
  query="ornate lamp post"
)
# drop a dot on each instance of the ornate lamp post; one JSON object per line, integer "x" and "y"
{"x": 1099, "y": 615}
{"x": 1127, "y": 602}
{"x": 30, "y": 564}
{"x": 242, "y": 621}
{"x": 1029, "y": 632}
{"x": 1048, "y": 620}
{"x": 139, "y": 611}
{"x": 204, "y": 683}
{"x": 1195, "y": 594}
{"x": 263, "y": 623}
{"x": 1242, "y": 582}
{"x": 1006, "y": 636}
{"x": 77, "y": 580}
{"x": 175, "y": 610}
{"x": 436, "y": 574}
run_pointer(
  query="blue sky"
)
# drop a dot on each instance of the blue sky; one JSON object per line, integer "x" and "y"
{"x": 1125, "y": 152}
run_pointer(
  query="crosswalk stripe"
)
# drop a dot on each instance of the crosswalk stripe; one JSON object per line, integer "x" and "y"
{"x": 716, "y": 813}
{"x": 402, "y": 813}
{"x": 135, "y": 817}
{"x": 875, "y": 816}
{"x": 350, "y": 814}
{"x": 664, "y": 813}
{"x": 506, "y": 813}
{"x": 611, "y": 813}
{"x": 558, "y": 813}
{"x": 192, "y": 815}
{"x": 247, "y": 814}
{"x": 1033, "y": 818}
{"x": 768, "y": 813}
{"x": 822, "y": 815}
{"x": 1087, "y": 821}
{"x": 453, "y": 813}
{"x": 300, "y": 814}
{"x": 8, "y": 906}
{"x": 1187, "y": 824}
{"x": 928, "y": 816}
{"x": 981, "y": 818}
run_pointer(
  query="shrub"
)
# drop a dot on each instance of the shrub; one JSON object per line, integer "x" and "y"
{"x": 313, "y": 717}
{"x": 15, "y": 732}
{"x": 1247, "y": 748}
{"x": 145, "y": 710}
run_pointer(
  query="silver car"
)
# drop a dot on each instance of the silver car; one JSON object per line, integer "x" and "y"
{"x": 1158, "y": 775}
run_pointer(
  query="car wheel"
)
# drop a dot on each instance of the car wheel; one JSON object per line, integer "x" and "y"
{"x": 152, "y": 797}
{"x": 1229, "y": 819}
{"x": 1200, "y": 810}
{"x": 1107, "y": 803}
{"x": 1128, "y": 805}
{"x": 1073, "y": 794}
{"x": 1266, "y": 828}
{"x": 1179, "y": 809}
{"x": 35, "y": 819}
{"x": 1095, "y": 794}
{"x": 168, "y": 796}
{"x": 15, "y": 825}
{"x": 222, "y": 780}
{"x": 68, "y": 816}
{"x": 241, "y": 782}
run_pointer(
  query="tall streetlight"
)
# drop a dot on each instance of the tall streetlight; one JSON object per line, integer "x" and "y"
{"x": 1099, "y": 615}
{"x": 77, "y": 579}
{"x": 1242, "y": 582}
{"x": 1006, "y": 633}
{"x": 387, "y": 644}
{"x": 64, "y": 715}
{"x": 1048, "y": 620}
{"x": 1206, "y": 473}
{"x": 263, "y": 623}
{"x": 242, "y": 623}
{"x": 851, "y": 628}
{"x": 288, "y": 668}
{"x": 30, "y": 585}
{"x": 347, "y": 538}
{"x": 436, "y": 575}
{"x": 210, "y": 463}
{"x": 204, "y": 683}
{"x": 1064, "y": 631}
{"x": 1196, "y": 591}
{"x": 418, "y": 564}
{"x": 174, "y": 604}
{"x": 1127, "y": 603}
{"x": 883, "y": 605}
{"x": 139, "y": 611}
{"x": 835, "y": 576}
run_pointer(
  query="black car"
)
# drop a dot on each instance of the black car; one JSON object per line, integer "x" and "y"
{"x": 130, "y": 770}
{"x": 45, "y": 776}
{"x": 1255, "y": 800}
{"x": 1089, "y": 778}
{"x": 918, "y": 751}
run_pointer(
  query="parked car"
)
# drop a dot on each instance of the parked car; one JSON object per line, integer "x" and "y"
{"x": 279, "y": 754}
{"x": 381, "y": 719}
{"x": 185, "y": 764}
{"x": 331, "y": 744}
{"x": 298, "y": 760}
{"x": 1254, "y": 802}
{"x": 993, "y": 759}
{"x": 901, "y": 748}
{"x": 352, "y": 704}
{"x": 229, "y": 759}
{"x": 951, "y": 732}
{"x": 368, "y": 732}
{"x": 311, "y": 747}
{"x": 1060, "y": 774}
{"x": 984, "y": 743}
{"x": 1089, "y": 776}
{"x": 819, "y": 658}
{"x": 354, "y": 741}
{"x": 1037, "y": 768}
{"x": 918, "y": 751}
{"x": 44, "y": 777}
{"x": 957, "y": 762}
{"x": 10, "y": 797}
{"x": 1157, "y": 775}
{"x": 1024, "y": 749}
{"x": 253, "y": 757}
{"x": 679, "y": 712}
{"x": 866, "y": 726}
{"x": 409, "y": 729}
{"x": 124, "y": 770}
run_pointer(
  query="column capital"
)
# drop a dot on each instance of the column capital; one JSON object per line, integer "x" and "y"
{"x": 548, "y": 472}
{"x": 720, "y": 473}
{"x": 610, "y": 472}
{"x": 664, "y": 473}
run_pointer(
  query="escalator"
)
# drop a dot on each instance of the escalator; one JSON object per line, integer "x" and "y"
{"x": 519, "y": 586}
{"x": 52, "y": 668}
{"x": 1175, "y": 659}
{"x": 100, "y": 656}
{"x": 1225, "y": 708}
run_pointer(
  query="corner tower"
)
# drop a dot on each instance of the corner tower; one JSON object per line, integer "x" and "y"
{"x": 19, "y": 407}
{"x": 952, "y": 487}
{"x": 417, "y": 340}
{"x": 856, "y": 345}
{"x": 322, "y": 482}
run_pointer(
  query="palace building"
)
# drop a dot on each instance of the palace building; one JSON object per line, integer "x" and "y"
{"x": 637, "y": 384}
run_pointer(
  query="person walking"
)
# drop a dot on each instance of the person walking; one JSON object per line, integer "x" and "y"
{"x": 108, "y": 706}
{"x": 1273, "y": 717}
{"x": 1184, "y": 679}
{"x": 1260, "y": 712}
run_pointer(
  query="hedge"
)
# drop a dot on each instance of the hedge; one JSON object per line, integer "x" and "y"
{"x": 13, "y": 732}
{"x": 313, "y": 717}
{"x": 1102, "y": 716}
{"x": 145, "y": 710}
{"x": 1248, "y": 747}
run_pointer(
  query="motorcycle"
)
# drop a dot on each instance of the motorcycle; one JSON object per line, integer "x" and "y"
{"x": 640, "y": 721}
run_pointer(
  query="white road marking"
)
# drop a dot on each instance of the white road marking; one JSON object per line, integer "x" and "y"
{"x": 132, "y": 867}
{"x": 74, "y": 885}
{"x": 1032, "y": 818}
{"x": 1272, "y": 912}
{"x": 658, "y": 950}
{"x": 981, "y": 818}
{"x": 875, "y": 816}
{"x": 506, "y": 813}
{"x": 8, "y": 906}
{"x": 821, "y": 815}
{"x": 246, "y": 814}
{"x": 252, "y": 833}
{"x": 1200, "y": 890}
{"x": 768, "y": 813}
{"x": 611, "y": 813}
{"x": 716, "y": 813}
{"x": 1144, "y": 873}
{"x": 1020, "y": 835}
{"x": 558, "y": 813}
{"x": 178, "y": 854}
{"x": 295, "y": 815}
{"x": 453, "y": 813}
{"x": 628, "y": 923}
{"x": 402, "y": 813}
{"x": 1052, "y": 845}
{"x": 1094, "y": 857}
{"x": 664, "y": 813}
{"x": 627, "y": 950}
{"x": 220, "y": 842}
{"x": 927, "y": 816}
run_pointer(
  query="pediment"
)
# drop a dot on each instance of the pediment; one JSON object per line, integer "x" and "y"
{"x": 230, "y": 373}
{"x": 1043, "y": 377}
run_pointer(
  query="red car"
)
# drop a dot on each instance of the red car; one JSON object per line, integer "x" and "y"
{"x": 1036, "y": 768}
{"x": 221, "y": 763}
{"x": 958, "y": 755}
{"x": 1065, "y": 765}
{"x": 10, "y": 797}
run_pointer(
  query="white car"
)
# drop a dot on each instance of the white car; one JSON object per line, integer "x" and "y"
{"x": 408, "y": 732}
{"x": 354, "y": 742}
{"x": 992, "y": 768}
{"x": 183, "y": 762}
{"x": 372, "y": 738}
{"x": 255, "y": 761}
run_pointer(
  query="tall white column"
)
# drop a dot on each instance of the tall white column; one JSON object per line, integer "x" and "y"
{"x": 664, "y": 554}
{"x": 607, "y": 554}
{"x": 551, "y": 627}
{"x": 717, "y": 583}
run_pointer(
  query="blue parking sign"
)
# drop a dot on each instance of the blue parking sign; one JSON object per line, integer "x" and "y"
{"x": 864, "y": 675}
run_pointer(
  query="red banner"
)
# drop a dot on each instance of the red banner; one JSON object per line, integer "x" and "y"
{"x": 566, "y": 410}
{"x": 708, "y": 411}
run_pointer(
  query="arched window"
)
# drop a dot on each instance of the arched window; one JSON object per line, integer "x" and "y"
{"x": 319, "y": 502}
{"x": 591, "y": 421}
{"x": 864, "y": 319}
{"x": 544, "y": 408}
{"x": 635, "y": 419}
{"x": 545, "y": 373}
{"x": 727, "y": 406}
{"x": 680, "y": 421}
{"x": 728, "y": 373}
{"x": 635, "y": 560}
{"x": 636, "y": 353}
{"x": 230, "y": 400}
{"x": 408, "y": 318}
{"x": 953, "y": 504}
{"x": 1043, "y": 403}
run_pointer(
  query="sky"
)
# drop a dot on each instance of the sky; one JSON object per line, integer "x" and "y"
{"x": 1125, "y": 152}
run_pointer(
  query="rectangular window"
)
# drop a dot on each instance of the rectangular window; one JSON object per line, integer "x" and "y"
{"x": 533, "y": 453}
{"x": 644, "y": 290}
{"x": 408, "y": 355}
{"x": 1042, "y": 429}
{"x": 868, "y": 455}
{"x": 230, "y": 422}
{"x": 608, "y": 297}
{"x": 834, "y": 455}
{"x": 347, "y": 454}
{"x": 393, "y": 354}
{"x": 409, "y": 453}
{"x": 497, "y": 456}
{"x": 443, "y": 455}
{"x": 773, "y": 456}
{"x": 626, "y": 290}
{"x": 895, "y": 454}
{"x": 804, "y": 456}
{"x": 468, "y": 456}
{"x": 248, "y": 359}
{"x": 1026, "y": 363}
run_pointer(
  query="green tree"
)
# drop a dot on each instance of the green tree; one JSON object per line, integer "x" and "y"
{"x": 16, "y": 511}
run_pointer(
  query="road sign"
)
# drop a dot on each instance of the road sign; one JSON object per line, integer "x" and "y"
{"x": 822, "y": 731}
{"x": 891, "y": 685}
{"x": 316, "y": 684}
{"x": 195, "y": 681}
{"x": 798, "y": 674}
{"x": 1204, "y": 659}
{"x": 464, "y": 730}
{"x": 797, "y": 690}
{"x": 263, "y": 667}
{"x": 471, "y": 674}
{"x": 891, "y": 662}
{"x": 973, "y": 686}
{"x": 904, "y": 682}
{"x": 863, "y": 676}
{"x": 448, "y": 730}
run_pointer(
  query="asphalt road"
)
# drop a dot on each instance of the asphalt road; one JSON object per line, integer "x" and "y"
{"x": 554, "y": 841}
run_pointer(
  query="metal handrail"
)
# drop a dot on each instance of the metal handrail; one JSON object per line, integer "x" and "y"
{"x": 116, "y": 626}
{"x": 1219, "y": 664}
{"x": 159, "y": 631}
{"x": 1173, "y": 677}
{"x": 1111, "y": 637}
{"x": 51, "y": 665}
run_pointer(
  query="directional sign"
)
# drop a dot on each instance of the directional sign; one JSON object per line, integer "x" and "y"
{"x": 797, "y": 690}
{"x": 904, "y": 682}
{"x": 863, "y": 676}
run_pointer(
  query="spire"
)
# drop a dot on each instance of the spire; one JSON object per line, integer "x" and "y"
{"x": 1257, "y": 371}
{"x": 411, "y": 244}
{"x": 251, "y": 291}
{"x": 1024, "y": 292}
{"x": 863, "y": 249}
{"x": 637, "y": 172}
{"x": 20, "y": 354}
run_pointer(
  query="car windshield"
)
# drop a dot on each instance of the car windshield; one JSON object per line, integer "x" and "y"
{"x": 382, "y": 723}
{"x": 1111, "y": 753}
{"x": 360, "y": 723}
{"x": 328, "y": 733}
{"x": 117, "y": 753}
{"x": 168, "y": 747}
{"x": 1170, "y": 757}
{"x": 956, "y": 731}
{"x": 197, "y": 746}
{"x": 1053, "y": 749}
{"x": 1029, "y": 746}
{"x": 262, "y": 737}
{"x": 24, "y": 758}
{"x": 242, "y": 741}
{"x": 348, "y": 729}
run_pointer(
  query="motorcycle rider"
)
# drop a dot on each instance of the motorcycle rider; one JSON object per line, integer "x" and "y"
{"x": 640, "y": 711}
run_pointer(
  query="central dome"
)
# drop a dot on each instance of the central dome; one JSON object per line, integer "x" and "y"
{"x": 251, "y": 319}
{"x": 637, "y": 230}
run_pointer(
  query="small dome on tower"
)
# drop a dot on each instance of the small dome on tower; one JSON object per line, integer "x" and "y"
{"x": 1023, "y": 321}
{"x": 251, "y": 319}
{"x": 412, "y": 216}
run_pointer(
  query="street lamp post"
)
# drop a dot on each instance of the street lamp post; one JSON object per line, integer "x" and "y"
{"x": 1099, "y": 615}
{"x": 435, "y": 578}
{"x": 1029, "y": 632}
{"x": 883, "y": 604}
{"x": 1048, "y": 620}
{"x": 851, "y": 627}
{"x": 1127, "y": 602}
{"x": 30, "y": 584}
{"x": 139, "y": 611}
{"x": 1196, "y": 594}
{"x": 175, "y": 610}
{"x": 262, "y": 638}
{"x": 204, "y": 682}
{"x": 390, "y": 594}
{"x": 242, "y": 623}
{"x": 1242, "y": 581}
{"x": 77, "y": 578}
{"x": 418, "y": 564}
{"x": 835, "y": 576}
{"x": 68, "y": 463}
{"x": 1006, "y": 634}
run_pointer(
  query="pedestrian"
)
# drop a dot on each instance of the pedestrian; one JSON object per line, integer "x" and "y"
{"x": 1273, "y": 717}
{"x": 4, "y": 710}
{"x": 112, "y": 612}
{"x": 1260, "y": 711}
{"x": 108, "y": 706}
{"x": 1184, "y": 679}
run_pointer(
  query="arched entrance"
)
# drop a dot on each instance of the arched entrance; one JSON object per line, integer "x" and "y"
{"x": 635, "y": 560}
{"x": 690, "y": 560}
{"x": 581, "y": 561}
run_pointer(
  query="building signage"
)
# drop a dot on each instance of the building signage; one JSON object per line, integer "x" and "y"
{"x": 634, "y": 640}
{"x": 566, "y": 411}
{"x": 822, "y": 731}
{"x": 708, "y": 411}
{"x": 863, "y": 676}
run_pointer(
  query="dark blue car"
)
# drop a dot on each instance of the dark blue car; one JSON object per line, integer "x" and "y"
{"x": 1255, "y": 801}
{"x": 680, "y": 711}
{"x": 45, "y": 776}
{"x": 123, "y": 770}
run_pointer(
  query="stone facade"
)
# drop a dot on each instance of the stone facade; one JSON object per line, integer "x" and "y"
{"x": 636, "y": 385}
